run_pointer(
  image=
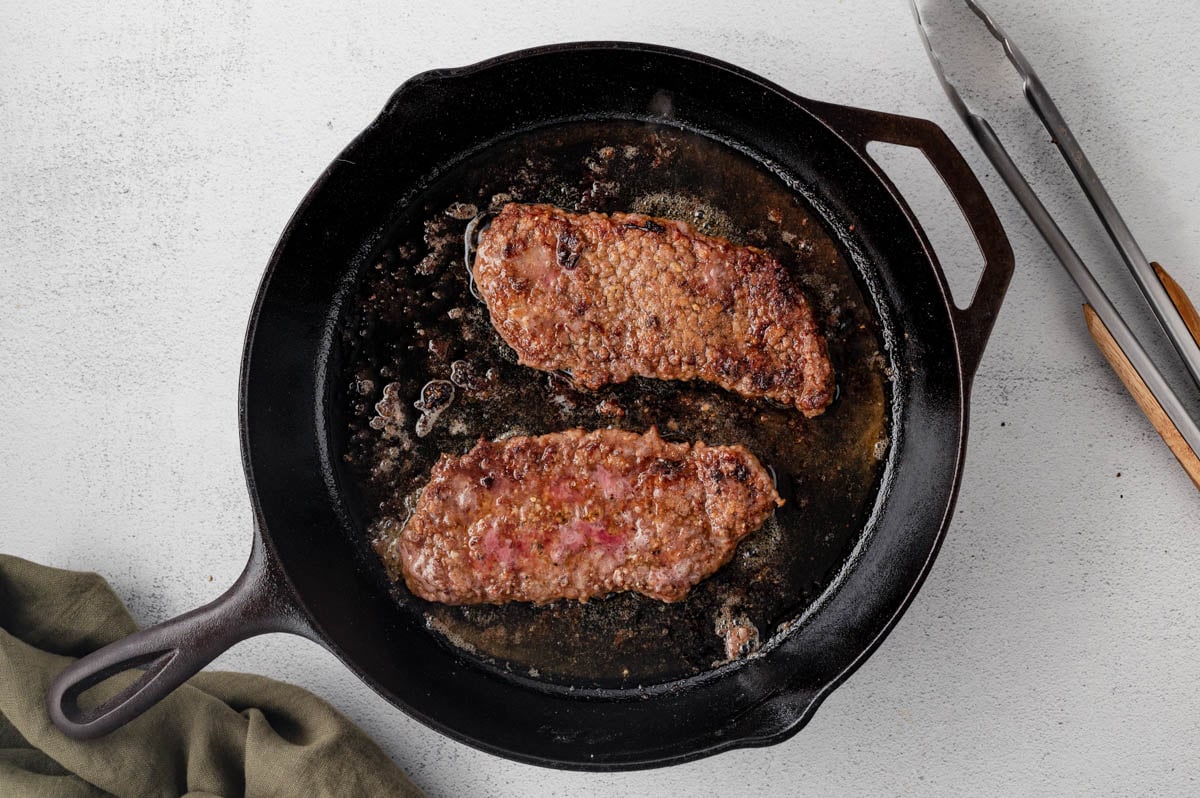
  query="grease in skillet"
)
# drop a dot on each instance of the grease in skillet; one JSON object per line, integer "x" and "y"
{"x": 431, "y": 375}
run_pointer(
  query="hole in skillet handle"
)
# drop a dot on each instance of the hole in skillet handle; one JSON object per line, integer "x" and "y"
{"x": 171, "y": 652}
{"x": 859, "y": 128}
{"x": 67, "y": 701}
{"x": 936, "y": 211}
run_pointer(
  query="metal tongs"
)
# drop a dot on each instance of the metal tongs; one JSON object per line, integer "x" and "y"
{"x": 1117, "y": 342}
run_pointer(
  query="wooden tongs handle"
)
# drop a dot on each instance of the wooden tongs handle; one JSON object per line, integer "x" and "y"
{"x": 1133, "y": 382}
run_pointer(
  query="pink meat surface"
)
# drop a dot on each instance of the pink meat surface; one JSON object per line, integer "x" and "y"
{"x": 578, "y": 514}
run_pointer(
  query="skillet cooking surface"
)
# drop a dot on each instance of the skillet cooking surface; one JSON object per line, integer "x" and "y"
{"x": 414, "y": 320}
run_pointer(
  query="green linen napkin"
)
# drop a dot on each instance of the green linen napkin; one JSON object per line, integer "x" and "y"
{"x": 220, "y": 734}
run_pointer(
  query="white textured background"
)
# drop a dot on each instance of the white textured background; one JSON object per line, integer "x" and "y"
{"x": 151, "y": 152}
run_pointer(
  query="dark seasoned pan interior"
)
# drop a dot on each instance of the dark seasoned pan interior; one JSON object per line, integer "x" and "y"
{"x": 425, "y": 373}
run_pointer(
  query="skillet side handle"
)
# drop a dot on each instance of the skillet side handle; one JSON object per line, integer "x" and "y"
{"x": 859, "y": 127}
{"x": 173, "y": 651}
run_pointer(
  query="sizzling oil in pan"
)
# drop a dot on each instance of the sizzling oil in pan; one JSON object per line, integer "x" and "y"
{"x": 427, "y": 374}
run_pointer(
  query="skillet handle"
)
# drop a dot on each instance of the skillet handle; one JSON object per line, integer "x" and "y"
{"x": 858, "y": 127}
{"x": 173, "y": 651}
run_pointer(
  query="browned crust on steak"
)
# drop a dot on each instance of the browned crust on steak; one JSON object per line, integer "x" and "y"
{"x": 608, "y": 297}
{"x": 578, "y": 514}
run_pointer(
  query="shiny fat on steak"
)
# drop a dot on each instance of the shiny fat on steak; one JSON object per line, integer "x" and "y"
{"x": 578, "y": 514}
{"x": 608, "y": 297}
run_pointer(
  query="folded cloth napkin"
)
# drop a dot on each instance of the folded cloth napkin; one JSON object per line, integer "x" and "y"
{"x": 220, "y": 734}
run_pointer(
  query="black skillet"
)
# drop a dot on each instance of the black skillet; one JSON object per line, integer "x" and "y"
{"x": 308, "y": 573}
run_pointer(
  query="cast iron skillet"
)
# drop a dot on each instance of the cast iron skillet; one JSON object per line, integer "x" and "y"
{"x": 305, "y": 573}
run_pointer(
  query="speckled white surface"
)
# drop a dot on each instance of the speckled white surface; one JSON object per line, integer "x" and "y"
{"x": 150, "y": 154}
